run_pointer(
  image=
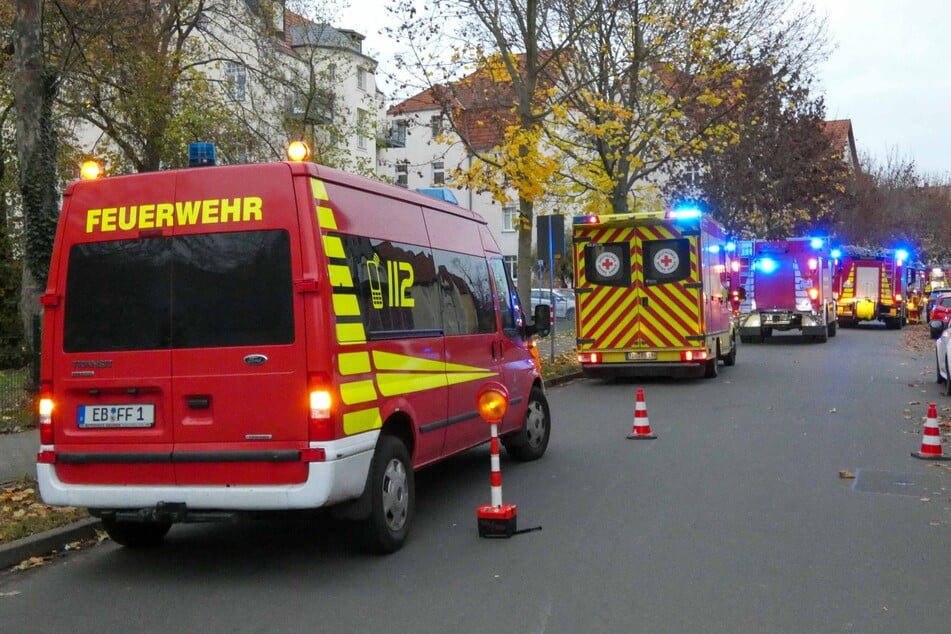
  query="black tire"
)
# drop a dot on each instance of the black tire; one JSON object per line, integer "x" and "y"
{"x": 712, "y": 368}
{"x": 392, "y": 497}
{"x": 821, "y": 337}
{"x": 136, "y": 534}
{"x": 947, "y": 385}
{"x": 937, "y": 368}
{"x": 570, "y": 315}
{"x": 730, "y": 359}
{"x": 530, "y": 442}
{"x": 832, "y": 327}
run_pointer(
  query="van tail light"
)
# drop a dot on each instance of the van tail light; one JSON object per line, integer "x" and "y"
{"x": 589, "y": 357}
{"x": 45, "y": 407}
{"x": 320, "y": 398}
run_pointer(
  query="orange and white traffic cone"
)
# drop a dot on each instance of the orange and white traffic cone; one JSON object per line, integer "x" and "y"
{"x": 931, "y": 438}
{"x": 642, "y": 426}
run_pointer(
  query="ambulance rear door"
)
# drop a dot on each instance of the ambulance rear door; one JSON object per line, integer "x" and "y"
{"x": 238, "y": 340}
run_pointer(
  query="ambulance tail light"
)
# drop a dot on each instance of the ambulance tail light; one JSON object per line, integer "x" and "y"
{"x": 688, "y": 356}
{"x": 45, "y": 407}
{"x": 585, "y": 220}
{"x": 321, "y": 408}
{"x": 589, "y": 357}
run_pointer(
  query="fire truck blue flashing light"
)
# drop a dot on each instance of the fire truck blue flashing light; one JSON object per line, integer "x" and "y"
{"x": 730, "y": 247}
{"x": 901, "y": 255}
{"x": 836, "y": 253}
{"x": 766, "y": 265}
{"x": 714, "y": 248}
{"x": 585, "y": 220}
{"x": 684, "y": 213}
{"x": 201, "y": 154}
{"x": 816, "y": 243}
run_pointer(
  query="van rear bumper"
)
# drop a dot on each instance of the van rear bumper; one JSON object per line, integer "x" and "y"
{"x": 342, "y": 476}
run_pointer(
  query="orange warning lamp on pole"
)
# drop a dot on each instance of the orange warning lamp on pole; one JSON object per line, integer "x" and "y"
{"x": 495, "y": 519}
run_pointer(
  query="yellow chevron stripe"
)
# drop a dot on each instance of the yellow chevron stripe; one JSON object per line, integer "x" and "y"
{"x": 351, "y": 363}
{"x": 406, "y": 363}
{"x": 346, "y": 305}
{"x": 340, "y": 276}
{"x": 395, "y": 383}
{"x": 333, "y": 247}
{"x": 362, "y": 420}
{"x": 325, "y": 217}
{"x": 357, "y": 392}
{"x": 351, "y": 333}
{"x": 318, "y": 189}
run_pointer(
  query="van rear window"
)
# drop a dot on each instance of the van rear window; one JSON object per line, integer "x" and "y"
{"x": 194, "y": 291}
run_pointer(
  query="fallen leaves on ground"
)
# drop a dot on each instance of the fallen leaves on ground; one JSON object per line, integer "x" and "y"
{"x": 23, "y": 514}
{"x": 845, "y": 474}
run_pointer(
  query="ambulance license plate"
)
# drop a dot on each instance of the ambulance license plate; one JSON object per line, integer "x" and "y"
{"x": 641, "y": 356}
{"x": 128, "y": 415}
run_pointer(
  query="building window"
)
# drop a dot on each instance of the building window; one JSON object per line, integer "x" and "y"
{"x": 402, "y": 174}
{"x": 332, "y": 73}
{"x": 362, "y": 79}
{"x": 511, "y": 263}
{"x": 439, "y": 174}
{"x": 436, "y": 125}
{"x": 510, "y": 217}
{"x": 692, "y": 175}
{"x": 363, "y": 122}
{"x": 236, "y": 76}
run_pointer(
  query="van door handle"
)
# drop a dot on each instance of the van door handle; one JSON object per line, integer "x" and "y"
{"x": 198, "y": 402}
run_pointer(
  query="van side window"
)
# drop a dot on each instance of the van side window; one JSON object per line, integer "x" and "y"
{"x": 191, "y": 291}
{"x": 508, "y": 305}
{"x": 466, "y": 294}
{"x": 409, "y": 290}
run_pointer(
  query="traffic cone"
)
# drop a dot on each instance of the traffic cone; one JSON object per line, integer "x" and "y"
{"x": 642, "y": 426}
{"x": 931, "y": 438}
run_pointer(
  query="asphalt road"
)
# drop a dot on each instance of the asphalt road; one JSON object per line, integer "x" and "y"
{"x": 733, "y": 520}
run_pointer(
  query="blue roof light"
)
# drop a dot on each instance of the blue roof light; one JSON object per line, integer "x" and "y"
{"x": 836, "y": 253}
{"x": 683, "y": 213}
{"x": 816, "y": 243}
{"x": 730, "y": 247}
{"x": 901, "y": 255}
{"x": 765, "y": 265}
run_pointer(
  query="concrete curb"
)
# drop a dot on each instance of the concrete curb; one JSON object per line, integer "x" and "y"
{"x": 45, "y": 543}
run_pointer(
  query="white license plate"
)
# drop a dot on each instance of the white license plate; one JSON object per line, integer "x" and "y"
{"x": 641, "y": 356}
{"x": 128, "y": 415}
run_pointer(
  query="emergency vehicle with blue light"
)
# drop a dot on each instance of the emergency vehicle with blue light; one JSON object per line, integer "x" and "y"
{"x": 271, "y": 337}
{"x": 787, "y": 286}
{"x": 651, "y": 294}
{"x": 870, "y": 285}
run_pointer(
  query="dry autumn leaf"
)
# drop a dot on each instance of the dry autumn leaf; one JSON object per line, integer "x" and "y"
{"x": 845, "y": 474}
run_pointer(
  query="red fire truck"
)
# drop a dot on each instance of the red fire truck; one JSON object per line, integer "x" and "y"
{"x": 783, "y": 285}
{"x": 870, "y": 285}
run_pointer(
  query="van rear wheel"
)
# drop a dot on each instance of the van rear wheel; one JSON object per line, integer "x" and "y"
{"x": 531, "y": 441}
{"x": 392, "y": 497}
{"x": 136, "y": 534}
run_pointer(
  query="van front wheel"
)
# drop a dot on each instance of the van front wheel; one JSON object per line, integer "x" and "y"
{"x": 392, "y": 496}
{"x": 530, "y": 442}
{"x": 135, "y": 534}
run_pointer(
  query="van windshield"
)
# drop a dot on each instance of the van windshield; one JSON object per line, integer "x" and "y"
{"x": 193, "y": 291}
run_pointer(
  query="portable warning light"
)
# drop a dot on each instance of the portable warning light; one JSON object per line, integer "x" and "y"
{"x": 495, "y": 519}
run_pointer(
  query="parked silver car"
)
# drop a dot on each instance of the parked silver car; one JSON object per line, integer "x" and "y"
{"x": 564, "y": 301}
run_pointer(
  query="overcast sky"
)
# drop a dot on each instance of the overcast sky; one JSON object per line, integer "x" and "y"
{"x": 888, "y": 74}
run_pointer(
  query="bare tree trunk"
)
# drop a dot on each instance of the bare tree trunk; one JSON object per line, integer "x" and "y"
{"x": 34, "y": 87}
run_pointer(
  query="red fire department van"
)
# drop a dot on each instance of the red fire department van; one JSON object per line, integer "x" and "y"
{"x": 788, "y": 287}
{"x": 269, "y": 337}
{"x": 870, "y": 286}
{"x": 651, "y": 293}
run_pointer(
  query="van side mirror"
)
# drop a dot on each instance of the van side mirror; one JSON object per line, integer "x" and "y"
{"x": 542, "y": 325}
